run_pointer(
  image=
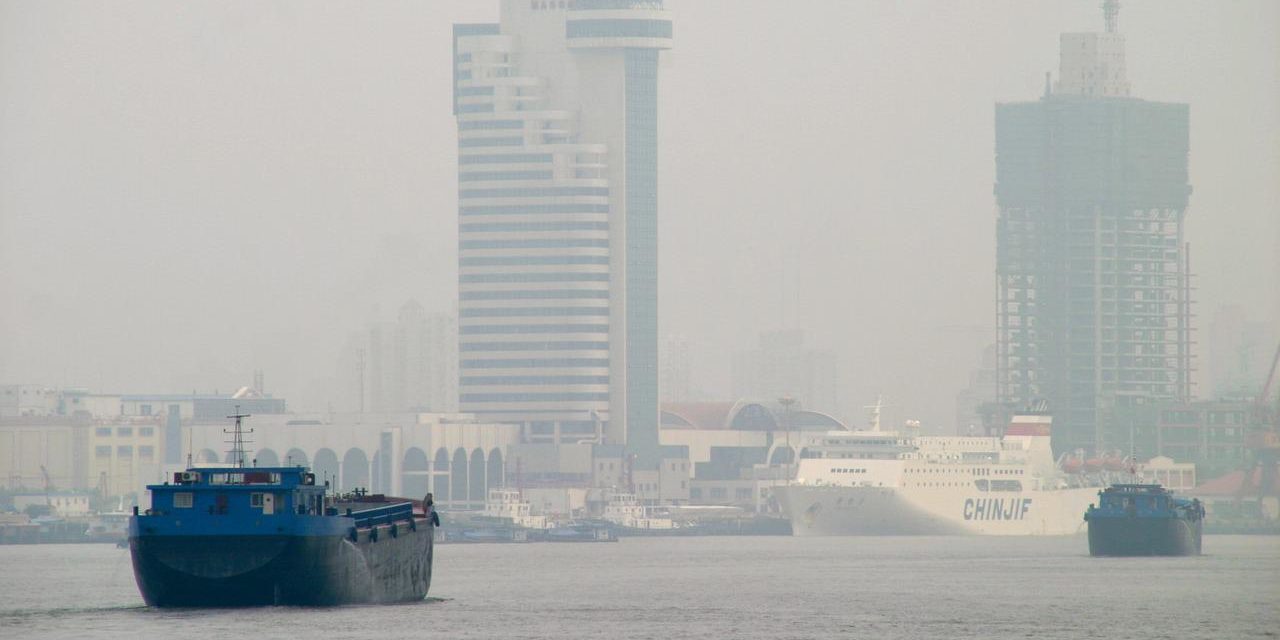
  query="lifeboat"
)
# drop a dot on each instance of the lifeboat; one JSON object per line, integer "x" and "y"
{"x": 1113, "y": 463}
{"x": 1072, "y": 465}
{"x": 1093, "y": 464}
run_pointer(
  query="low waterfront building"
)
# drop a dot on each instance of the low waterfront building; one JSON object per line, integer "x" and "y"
{"x": 1175, "y": 476}
{"x": 454, "y": 456}
{"x": 1213, "y": 434}
{"x": 36, "y": 451}
{"x": 125, "y": 454}
{"x": 61, "y": 503}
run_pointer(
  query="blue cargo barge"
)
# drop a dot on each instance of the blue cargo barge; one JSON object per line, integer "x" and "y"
{"x": 269, "y": 536}
{"x": 235, "y": 536}
{"x": 1144, "y": 520}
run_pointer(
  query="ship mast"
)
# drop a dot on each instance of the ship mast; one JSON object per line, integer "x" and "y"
{"x": 237, "y": 437}
{"x": 875, "y": 413}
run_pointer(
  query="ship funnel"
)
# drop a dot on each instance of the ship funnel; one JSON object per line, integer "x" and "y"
{"x": 1030, "y": 425}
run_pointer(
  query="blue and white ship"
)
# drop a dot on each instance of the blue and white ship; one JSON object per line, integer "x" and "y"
{"x": 239, "y": 536}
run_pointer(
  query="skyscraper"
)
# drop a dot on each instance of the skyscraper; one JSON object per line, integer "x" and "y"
{"x": 411, "y": 364}
{"x": 1093, "y": 308}
{"x": 557, "y": 172}
{"x": 785, "y": 366}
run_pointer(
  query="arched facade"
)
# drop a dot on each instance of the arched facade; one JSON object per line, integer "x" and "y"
{"x": 326, "y": 467}
{"x": 415, "y": 475}
{"x": 355, "y": 470}
{"x": 495, "y": 472}
{"x": 782, "y": 454}
{"x": 440, "y": 476}
{"x": 266, "y": 458}
{"x": 445, "y": 456}
{"x": 458, "y": 477}
{"x": 295, "y": 457}
{"x": 476, "y": 478}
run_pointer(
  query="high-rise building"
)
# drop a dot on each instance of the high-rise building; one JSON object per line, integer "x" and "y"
{"x": 976, "y": 409}
{"x": 557, "y": 205}
{"x": 1092, "y": 265}
{"x": 412, "y": 364}
{"x": 675, "y": 371}
{"x": 785, "y": 366}
{"x": 1237, "y": 353}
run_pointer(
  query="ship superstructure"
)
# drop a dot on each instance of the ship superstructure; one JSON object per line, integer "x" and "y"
{"x": 879, "y": 482}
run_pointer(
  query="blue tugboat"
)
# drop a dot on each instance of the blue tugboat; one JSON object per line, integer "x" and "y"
{"x": 1144, "y": 520}
{"x": 236, "y": 536}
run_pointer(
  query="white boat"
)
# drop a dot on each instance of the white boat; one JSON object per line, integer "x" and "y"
{"x": 897, "y": 483}
{"x": 510, "y": 505}
{"x": 624, "y": 510}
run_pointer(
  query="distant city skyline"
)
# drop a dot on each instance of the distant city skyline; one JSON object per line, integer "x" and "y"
{"x": 193, "y": 193}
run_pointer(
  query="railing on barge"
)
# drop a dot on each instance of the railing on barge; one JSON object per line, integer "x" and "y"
{"x": 390, "y": 514}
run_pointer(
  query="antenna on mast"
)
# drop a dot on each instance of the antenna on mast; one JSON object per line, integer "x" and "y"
{"x": 875, "y": 412}
{"x": 237, "y": 438}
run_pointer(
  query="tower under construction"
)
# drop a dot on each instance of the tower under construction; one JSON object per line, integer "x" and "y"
{"x": 1094, "y": 295}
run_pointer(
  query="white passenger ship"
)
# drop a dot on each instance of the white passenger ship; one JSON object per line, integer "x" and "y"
{"x": 888, "y": 483}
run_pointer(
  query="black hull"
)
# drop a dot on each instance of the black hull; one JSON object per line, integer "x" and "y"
{"x": 244, "y": 571}
{"x": 1144, "y": 537}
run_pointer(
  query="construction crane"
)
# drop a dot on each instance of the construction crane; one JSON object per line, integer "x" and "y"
{"x": 1264, "y": 440}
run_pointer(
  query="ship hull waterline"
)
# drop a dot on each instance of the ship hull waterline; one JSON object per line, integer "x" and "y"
{"x": 889, "y": 511}
{"x": 257, "y": 570}
{"x": 1144, "y": 537}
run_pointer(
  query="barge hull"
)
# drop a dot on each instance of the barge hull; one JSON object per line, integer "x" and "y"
{"x": 255, "y": 570}
{"x": 1144, "y": 537}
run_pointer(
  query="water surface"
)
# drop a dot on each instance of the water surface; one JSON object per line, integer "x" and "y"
{"x": 739, "y": 587}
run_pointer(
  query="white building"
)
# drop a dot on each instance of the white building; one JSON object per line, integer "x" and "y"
{"x": 63, "y": 504}
{"x": 557, "y": 170}
{"x": 402, "y": 454}
{"x": 28, "y": 400}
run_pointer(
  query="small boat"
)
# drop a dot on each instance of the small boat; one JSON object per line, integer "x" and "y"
{"x": 580, "y": 532}
{"x": 1144, "y": 520}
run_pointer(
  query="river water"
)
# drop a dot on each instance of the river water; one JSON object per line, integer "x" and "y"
{"x": 729, "y": 587}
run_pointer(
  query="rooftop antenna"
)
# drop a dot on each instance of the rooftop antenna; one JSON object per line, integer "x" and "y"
{"x": 1111, "y": 14}
{"x": 237, "y": 438}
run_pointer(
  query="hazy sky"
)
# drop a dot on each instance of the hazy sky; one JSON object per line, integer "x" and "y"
{"x": 190, "y": 191}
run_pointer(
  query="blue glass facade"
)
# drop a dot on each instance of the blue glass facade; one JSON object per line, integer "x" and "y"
{"x": 642, "y": 255}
